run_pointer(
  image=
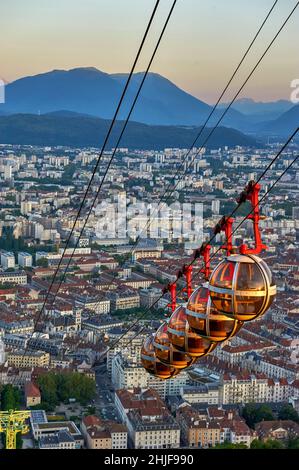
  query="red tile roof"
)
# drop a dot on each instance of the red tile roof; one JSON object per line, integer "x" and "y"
{"x": 32, "y": 390}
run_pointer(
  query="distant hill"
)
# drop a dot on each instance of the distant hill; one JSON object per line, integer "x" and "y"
{"x": 172, "y": 104}
{"x": 71, "y": 129}
{"x": 79, "y": 90}
{"x": 90, "y": 91}
{"x": 259, "y": 111}
{"x": 284, "y": 125}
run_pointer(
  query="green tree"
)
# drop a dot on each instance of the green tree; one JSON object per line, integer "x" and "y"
{"x": 230, "y": 445}
{"x": 253, "y": 414}
{"x": 6, "y": 285}
{"x": 56, "y": 388}
{"x": 293, "y": 443}
{"x": 257, "y": 444}
{"x": 249, "y": 414}
{"x": 9, "y": 243}
{"x": 91, "y": 410}
{"x": 10, "y": 398}
{"x": 288, "y": 412}
{"x": 68, "y": 173}
{"x": 264, "y": 413}
{"x": 48, "y": 388}
{"x": 42, "y": 262}
{"x": 269, "y": 444}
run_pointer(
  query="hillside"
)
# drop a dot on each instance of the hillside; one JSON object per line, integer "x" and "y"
{"x": 79, "y": 131}
{"x": 285, "y": 124}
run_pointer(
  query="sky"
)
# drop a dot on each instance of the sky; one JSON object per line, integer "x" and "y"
{"x": 202, "y": 45}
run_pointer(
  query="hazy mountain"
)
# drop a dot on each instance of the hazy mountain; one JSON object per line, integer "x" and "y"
{"x": 81, "y": 90}
{"x": 260, "y": 111}
{"x": 172, "y": 104}
{"x": 90, "y": 91}
{"x": 285, "y": 124}
{"x": 80, "y": 131}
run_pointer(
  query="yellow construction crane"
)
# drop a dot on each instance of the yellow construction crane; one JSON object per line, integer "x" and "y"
{"x": 12, "y": 422}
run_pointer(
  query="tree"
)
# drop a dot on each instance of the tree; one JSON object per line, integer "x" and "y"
{"x": 249, "y": 414}
{"x": 264, "y": 413}
{"x": 48, "y": 388}
{"x": 288, "y": 412}
{"x": 68, "y": 173}
{"x": 6, "y": 285}
{"x": 257, "y": 444}
{"x": 42, "y": 262}
{"x": 269, "y": 444}
{"x": 230, "y": 445}
{"x": 9, "y": 243}
{"x": 10, "y": 398}
{"x": 56, "y": 388}
{"x": 91, "y": 410}
{"x": 293, "y": 443}
{"x": 253, "y": 414}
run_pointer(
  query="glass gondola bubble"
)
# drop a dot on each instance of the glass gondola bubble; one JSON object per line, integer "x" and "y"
{"x": 242, "y": 287}
{"x": 151, "y": 364}
{"x": 206, "y": 320}
{"x": 184, "y": 338}
{"x": 166, "y": 352}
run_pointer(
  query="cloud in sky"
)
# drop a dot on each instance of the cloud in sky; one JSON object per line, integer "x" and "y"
{"x": 202, "y": 45}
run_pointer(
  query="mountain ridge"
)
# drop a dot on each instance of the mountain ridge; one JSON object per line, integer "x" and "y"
{"x": 91, "y": 91}
{"x": 75, "y": 130}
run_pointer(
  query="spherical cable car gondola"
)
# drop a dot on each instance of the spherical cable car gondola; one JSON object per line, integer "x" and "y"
{"x": 242, "y": 287}
{"x": 206, "y": 320}
{"x": 152, "y": 365}
{"x": 167, "y": 353}
{"x": 184, "y": 338}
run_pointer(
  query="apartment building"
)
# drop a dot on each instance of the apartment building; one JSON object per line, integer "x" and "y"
{"x": 18, "y": 277}
{"x": 62, "y": 440}
{"x": 8, "y": 260}
{"x": 148, "y": 431}
{"x": 198, "y": 432}
{"x": 275, "y": 367}
{"x": 90, "y": 299}
{"x": 100, "y": 434}
{"x": 124, "y": 298}
{"x": 148, "y": 297}
{"x": 244, "y": 388}
{"x": 24, "y": 259}
{"x": 28, "y": 359}
{"x": 150, "y": 424}
{"x": 204, "y": 393}
{"x": 129, "y": 345}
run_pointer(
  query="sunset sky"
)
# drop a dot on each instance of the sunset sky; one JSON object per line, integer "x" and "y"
{"x": 203, "y": 43}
